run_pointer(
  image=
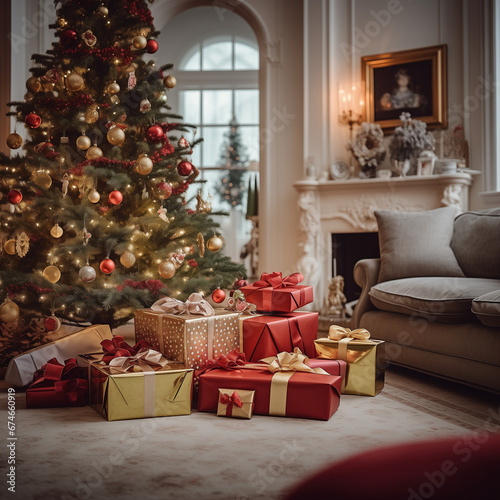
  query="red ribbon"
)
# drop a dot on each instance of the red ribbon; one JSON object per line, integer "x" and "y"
{"x": 231, "y": 361}
{"x": 117, "y": 348}
{"x": 276, "y": 280}
{"x": 230, "y": 401}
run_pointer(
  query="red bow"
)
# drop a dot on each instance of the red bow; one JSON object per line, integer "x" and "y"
{"x": 117, "y": 348}
{"x": 276, "y": 280}
{"x": 231, "y": 361}
{"x": 228, "y": 400}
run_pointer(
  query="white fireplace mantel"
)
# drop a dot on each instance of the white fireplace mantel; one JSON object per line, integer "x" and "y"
{"x": 334, "y": 207}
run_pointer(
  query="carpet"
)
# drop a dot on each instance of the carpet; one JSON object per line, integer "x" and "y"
{"x": 73, "y": 453}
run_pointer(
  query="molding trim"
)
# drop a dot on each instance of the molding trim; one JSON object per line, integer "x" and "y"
{"x": 5, "y": 63}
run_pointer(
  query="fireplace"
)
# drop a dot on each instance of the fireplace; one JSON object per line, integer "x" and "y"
{"x": 345, "y": 209}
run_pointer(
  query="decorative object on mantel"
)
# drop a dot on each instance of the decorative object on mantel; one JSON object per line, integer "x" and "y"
{"x": 368, "y": 148}
{"x": 456, "y": 146}
{"x": 336, "y": 297}
{"x": 426, "y": 162}
{"x": 409, "y": 140}
{"x": 340, "y": 170}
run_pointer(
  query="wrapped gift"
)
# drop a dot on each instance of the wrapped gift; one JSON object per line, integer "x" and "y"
{"x": 268, "y": 335}
{"x": 273, "y": 293}
{"x": 57, "y": 385}
{"x": 188, "y": 333}
{"x": 365, "y": 358}
{"x": 235, "y": 403}
{"x": 21, "y": 368}
{"x": 285, "y": 387}
{"x": 139, "y": 386}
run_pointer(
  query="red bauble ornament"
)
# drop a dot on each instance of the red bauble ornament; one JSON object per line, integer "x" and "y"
{"x": 152, "y": 46}
{"x": 15, "y": 197}
{"x": 115, "y": 197}
{"x": 33, "y": 120}
{"x": 184, "y": 168}
{"x": 52, "y": 323}
{"x": 107, "y": 266}
{"x": 165, "y": 188}
{"x": 69, "y": 37}
{"x": 218, "y": 295}
{"x": 241, "y": 283}
{"x": 155, "y": 133}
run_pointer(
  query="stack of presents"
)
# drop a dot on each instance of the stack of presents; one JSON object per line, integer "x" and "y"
{"x": 257, "y": 354}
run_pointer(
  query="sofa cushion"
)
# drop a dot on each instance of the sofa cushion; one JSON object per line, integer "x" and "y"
{"x": 448, "y": 300}
{"x": 487, "y": 308}
{"x": 416, "y": 244}
{"x": 476, "y": 243}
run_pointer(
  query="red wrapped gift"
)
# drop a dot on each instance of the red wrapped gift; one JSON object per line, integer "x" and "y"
{"x": 286, "y": 387}
{"x": 265, "y": 336}
{"x": 273, "y": 293}
{"x": 57, "y": 385}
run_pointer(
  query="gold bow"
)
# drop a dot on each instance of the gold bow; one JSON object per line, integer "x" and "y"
{"x": 338, "y": 333}
{"x": 145, "y": 360}
{"x": 195, "y": 304}
{"x": 291, "y": 362}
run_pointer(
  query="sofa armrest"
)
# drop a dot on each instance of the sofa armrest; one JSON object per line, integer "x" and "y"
{"x": 366, "y": 273}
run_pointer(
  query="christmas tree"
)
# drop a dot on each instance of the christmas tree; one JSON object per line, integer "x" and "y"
{"x": 94, "y": 222}
{"x": 233, "y": 157}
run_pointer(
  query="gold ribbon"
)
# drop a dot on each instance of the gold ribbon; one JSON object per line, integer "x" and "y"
{"x": 195, "y": 304}
{"x": 346, "y": 335}
{"x": 283, "y": 366}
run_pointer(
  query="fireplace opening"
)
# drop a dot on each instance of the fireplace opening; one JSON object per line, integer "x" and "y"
{"x": 347, "y": 249}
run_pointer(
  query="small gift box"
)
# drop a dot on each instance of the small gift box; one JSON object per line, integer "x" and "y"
{"x": 21, "y": 368}
{"x": 268, "y": 335}
{"x": 57, "y": 385}
{"x": 285, "y": 387}
{"x": 365, "y": 358}
{"x": 273, "y": 293}
{"x": 235, "y": 403}
{"x": 190, "y": 332}
{"x": 139, "y": 386}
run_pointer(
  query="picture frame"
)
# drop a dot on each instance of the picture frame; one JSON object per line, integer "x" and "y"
{"x": 409, "y": 80}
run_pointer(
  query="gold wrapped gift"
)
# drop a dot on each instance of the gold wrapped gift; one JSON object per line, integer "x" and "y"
{"x": 365, "y": 357}
{"x": 189, "y": 338}
{"x": 118, "y": 393}
{"x": 236, "y": 403}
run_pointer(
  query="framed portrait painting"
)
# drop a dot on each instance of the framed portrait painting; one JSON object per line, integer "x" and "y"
{"x": 409, "y": 80}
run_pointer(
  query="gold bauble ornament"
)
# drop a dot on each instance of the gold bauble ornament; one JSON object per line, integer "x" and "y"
{"x": 139, "y": 42}
{"x": 33, "y": 84}
{"x": 144, "y": 165}
{"x": 92, "y": 114}
{"x": 9, "y": 312}
{"x": 127, "y": 259}
{"x": 113, "y": 88}
{"x": 52, "y": 274}
{"x": 93, "y": 153}
{"x": 166, "y": 269}
{"x": 62, "y": 22}
{"x": 116, "y": 136}
{"x": 83, "y": 142}
{"x": 14, "y": 141}
{"x": 56, "y": 231}
{"x": 170, "y": 81}
{"x": 215, "y": 243}
{"x": 43, "y": 180}
{"x": 74, "y": 82}
{"x": 103, "y": 11}
{"x": 94, "y": 196}
{"x": 10, "y": 247}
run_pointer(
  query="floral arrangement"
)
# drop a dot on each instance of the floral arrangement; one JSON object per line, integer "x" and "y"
{"x": 368, "y": 146}
{"x": 410, "y": 139}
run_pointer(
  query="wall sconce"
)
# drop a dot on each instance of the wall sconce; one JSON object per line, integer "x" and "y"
{"x": 351, "y": 105}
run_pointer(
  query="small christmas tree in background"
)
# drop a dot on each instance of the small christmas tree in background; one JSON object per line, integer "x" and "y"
{"x": 93, "y": 218}
{"x": 233, "y": 157}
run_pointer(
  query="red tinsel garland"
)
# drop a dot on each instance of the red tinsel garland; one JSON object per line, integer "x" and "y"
{"x": 13, "y": 290}
{"x": 183, "y": 187}
{"x": 138, "y": 9}
{"x": 154, "y": 286}
{"x": 79, "y": 101}
{"x": 104, "y": 54}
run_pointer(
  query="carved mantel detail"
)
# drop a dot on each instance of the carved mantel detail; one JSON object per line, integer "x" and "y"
{"x": 333, "y": 207}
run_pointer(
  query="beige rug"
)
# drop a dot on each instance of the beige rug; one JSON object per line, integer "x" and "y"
{"x": 72, "y": 453}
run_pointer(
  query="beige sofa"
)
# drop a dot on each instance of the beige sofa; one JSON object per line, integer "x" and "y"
{"x": 434, "y": 295}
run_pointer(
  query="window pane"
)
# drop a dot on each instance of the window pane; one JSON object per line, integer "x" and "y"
{"x": 217, "y": 56}
{"x": 245, "y": 56}
{"x": 196, "y": 156}
{"x": 250, "y": 139}
{"x": 212, "y": 145}
{"x": 217, "y": 106}
{"x": 190, "y": 106}
{"x": 246, "y": 106}
{"x": 192, "y": 61}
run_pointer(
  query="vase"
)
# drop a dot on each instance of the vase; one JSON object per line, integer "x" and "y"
{"x": 402, "y": 167}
